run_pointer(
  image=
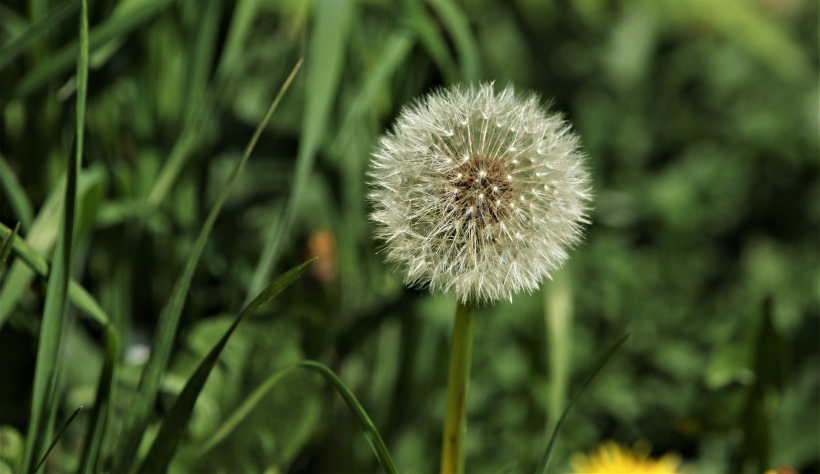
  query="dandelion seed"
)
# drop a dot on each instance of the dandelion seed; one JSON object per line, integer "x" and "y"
{"x": 454, "y": 229}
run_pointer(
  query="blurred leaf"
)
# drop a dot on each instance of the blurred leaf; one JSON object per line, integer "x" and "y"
{"x": 13, "y": 445}
{"x": 743, "y": 22}
{"x": 731, "y": 363}
{"x": 175, "y": 424}
{"x": 98, "y": 419}
{"x": 138, "y": 415}
{"x": 19, "y": 44}
{"x": 772, "y": 358}
{"x": 326, "y": 55}
{"x": 17, "y": 196}
{"x": 46, "y": 375}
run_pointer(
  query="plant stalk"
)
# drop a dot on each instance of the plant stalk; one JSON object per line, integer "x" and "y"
{"x": 458, "y": 381}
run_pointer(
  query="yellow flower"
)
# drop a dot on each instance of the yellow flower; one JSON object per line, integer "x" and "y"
{"x": 612, "y": 458}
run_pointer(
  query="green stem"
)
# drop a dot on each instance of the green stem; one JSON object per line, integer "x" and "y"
{"x": 455, "y": 420}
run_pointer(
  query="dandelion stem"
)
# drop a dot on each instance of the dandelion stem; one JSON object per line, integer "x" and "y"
{"x": 458, "y": 380}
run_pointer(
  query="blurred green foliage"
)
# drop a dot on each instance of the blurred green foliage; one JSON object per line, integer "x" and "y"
{"x": 700, "y": 119}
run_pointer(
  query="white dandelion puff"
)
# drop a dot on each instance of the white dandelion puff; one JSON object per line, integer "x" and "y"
{"x": 477, "y": 194}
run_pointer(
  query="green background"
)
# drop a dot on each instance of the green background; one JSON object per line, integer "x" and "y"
{"x": 700, "y": 120}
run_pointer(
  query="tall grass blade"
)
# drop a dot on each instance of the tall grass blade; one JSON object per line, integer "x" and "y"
{"x": 57, "y": 438}
{"x": 61, "y": 61}
{"x": 40, "y": 239}
{"x": 98, "y": 419}
{"x": 370, "y": 431}
{"x": 432, "y": 39}
{"x": 326, "y": 56}
{"x": 18, "y": 198}
{"x": 203, "y": 55}
{"x": 198, "y": 108}
{"x": 175, "y": 423}
{"x": 8, "y": 243}
{"x": 459, "y": 27}
{"x": 13, "y": 48}
{"x": 542, "y": 465}
{"x": 76, "y": 293}
{"x": 46, "y": 384}
{"x": 244, "y": 410}
{"x": 243, "y": 15}
{"x": 138, "y": 415}
{"x": 182, "y": 149}
{"x": 558, "y": 317}
{"x": 394, "y": 53}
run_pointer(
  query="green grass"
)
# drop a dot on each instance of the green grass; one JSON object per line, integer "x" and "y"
{"x": 138, "y": 415}
{"x": 46, "y": 376}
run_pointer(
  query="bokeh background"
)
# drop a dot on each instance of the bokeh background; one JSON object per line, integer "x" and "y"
{"x": 700, "y": 119}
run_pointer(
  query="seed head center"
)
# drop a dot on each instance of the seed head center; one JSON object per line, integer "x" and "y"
{"x": 479, "y": 192}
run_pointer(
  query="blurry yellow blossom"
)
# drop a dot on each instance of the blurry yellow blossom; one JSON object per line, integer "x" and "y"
{"x": 612, "y": 458}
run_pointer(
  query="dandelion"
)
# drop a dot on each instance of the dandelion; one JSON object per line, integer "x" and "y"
{"x": 612, "y": 458}
{"x": 478, "y": 194}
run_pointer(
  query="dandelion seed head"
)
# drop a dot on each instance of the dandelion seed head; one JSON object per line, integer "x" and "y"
{"x": 451, "y": 220}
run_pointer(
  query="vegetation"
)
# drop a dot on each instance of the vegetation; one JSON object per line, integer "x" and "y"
{"x": 173, "y": 166}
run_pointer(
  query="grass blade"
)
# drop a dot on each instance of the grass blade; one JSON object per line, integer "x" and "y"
{"x": 432, "y": 40}
{"x": 57, "y": 438}
{"x": 175, "y": 423}
{"x": 203, "y": 55}
{"x": 243, "y": 15}
{"x": 46, "y": 375}
{"x": 459, "y": 27}
{"x": 43, "y": 235}
{"x": 8, "y": 243}
{"x": 11, "y": 22}
{"x": 98, "y": 418}
{"x": 394, "y": 54}
{"x": 370, "y": 431}
{"x": 327, "y": 52}
{"x": 138, "y": 415}
{"x": 16, "y": 46}
{"x": 244, "y": 410}
{"x": 20, "y": 202}
{"x": 61, "y": 61}
{"x": 40, "y": 239}
{"x": 76, "y": 293}
{"x": 198, "y": 107}
{"x": 558, "y": 317}
{"x": 542, "y": 465}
